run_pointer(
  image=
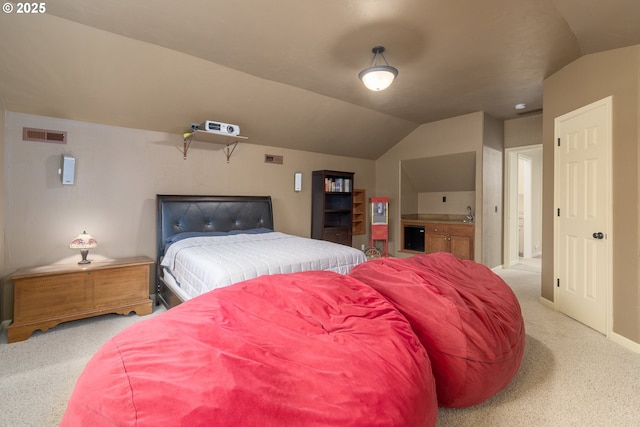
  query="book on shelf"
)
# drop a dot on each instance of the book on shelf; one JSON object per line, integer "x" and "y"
{"x": 337, "y": 185}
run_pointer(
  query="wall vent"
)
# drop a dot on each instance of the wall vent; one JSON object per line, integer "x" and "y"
{"x": 530, "y": 112}
{"x": 44, "y": 135}
{"x": 273, "y": 159}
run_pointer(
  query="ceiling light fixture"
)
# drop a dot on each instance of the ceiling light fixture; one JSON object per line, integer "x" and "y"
{"x": 378, "y": 77}
{"x": 521, "y": 106}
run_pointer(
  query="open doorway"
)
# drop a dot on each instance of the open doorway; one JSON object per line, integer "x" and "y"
{"x": 523, "y": 203}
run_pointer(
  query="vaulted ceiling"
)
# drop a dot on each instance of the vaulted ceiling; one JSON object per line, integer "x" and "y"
{"x": 285, "y": 71}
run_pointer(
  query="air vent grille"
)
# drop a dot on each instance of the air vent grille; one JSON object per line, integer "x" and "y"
{"x": 273, "y": 159}
{"x": 44, "y": 135}
{"x": 530, "y": 112}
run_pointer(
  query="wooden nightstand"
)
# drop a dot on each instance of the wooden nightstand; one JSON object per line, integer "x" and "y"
{"x": 49, "y": 295}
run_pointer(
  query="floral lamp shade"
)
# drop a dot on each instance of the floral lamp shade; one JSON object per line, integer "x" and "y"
{"x": 84, "y": 242}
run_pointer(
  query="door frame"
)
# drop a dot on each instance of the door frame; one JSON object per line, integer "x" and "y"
{"x": 525, "y": 169}
{"x": 511, "y": 202}
{"x": 608, "y": 103}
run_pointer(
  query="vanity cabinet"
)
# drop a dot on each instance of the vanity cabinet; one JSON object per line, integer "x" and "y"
{"x": 436, "y": 238}
{"x": 460, "y": 240}
{"x": 455, "y": 238}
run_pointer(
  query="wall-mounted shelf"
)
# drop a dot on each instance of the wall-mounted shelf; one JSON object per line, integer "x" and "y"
{"x": 200, "y": 135}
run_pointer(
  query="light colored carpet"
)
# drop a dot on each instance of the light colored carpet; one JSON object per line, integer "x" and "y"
{"x": 570, "y": 375}
{"x": 533, "y": 265}
{"x": 37, "y": 376}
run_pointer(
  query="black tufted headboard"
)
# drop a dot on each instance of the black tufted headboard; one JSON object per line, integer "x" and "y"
{"x": 179, "y": 214}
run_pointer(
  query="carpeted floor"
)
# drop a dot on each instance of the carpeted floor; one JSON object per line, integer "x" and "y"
{"x": 38, "y": 375}
{"x": 570, "y": 375}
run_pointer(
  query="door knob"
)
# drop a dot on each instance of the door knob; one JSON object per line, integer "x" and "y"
{"x": 598, "y": 235}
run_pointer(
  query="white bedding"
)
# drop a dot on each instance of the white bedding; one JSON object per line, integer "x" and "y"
{"x": 201, "y": 264}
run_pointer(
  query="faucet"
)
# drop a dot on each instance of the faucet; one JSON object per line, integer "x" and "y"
{"x": 469, "y": 214}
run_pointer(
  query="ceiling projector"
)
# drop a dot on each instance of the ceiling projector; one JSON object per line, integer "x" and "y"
{"x": 219, "y": 127}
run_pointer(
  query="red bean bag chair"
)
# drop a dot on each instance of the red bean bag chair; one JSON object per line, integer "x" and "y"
{"x": 466, "y": 316}
{"x": 301, "y": 349}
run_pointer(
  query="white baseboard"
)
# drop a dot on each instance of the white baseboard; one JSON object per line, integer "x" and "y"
{"x": 625, "y": 342}
{"x": 547, "y": 303}
{"x": 616, "y": 338}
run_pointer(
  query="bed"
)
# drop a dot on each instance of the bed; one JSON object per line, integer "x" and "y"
{"x": 384, "y": 345}
{"x": 208, "y": 242}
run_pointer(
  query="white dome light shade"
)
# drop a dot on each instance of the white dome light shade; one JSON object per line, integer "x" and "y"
{"x": 378, "y": 77}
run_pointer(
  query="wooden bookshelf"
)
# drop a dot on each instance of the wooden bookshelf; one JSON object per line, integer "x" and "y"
{"x": 359, "y": 212}
{"x": 331, "y": 206}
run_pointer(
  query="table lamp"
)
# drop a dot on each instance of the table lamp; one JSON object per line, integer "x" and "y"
{"x": 84, "y": 242}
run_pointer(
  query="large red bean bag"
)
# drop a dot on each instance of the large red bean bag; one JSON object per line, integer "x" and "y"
{"x": 301, "y": 349}
{"x": 466, "y": 316}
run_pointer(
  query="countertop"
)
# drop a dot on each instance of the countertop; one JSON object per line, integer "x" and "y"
{"x": 439, "y": 218}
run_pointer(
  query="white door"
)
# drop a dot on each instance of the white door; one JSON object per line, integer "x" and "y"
{"x": 583, "y": 212}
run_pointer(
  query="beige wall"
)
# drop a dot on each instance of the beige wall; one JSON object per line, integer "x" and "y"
{"x": 523, "y": 131}
{"x": 408, "y": 194}
{"x": 118, "y": 173}
{"x": 475, "y": 132}
{"x": 492, "y": 194}
{"x": 588, "y": 79}
{"x": 2, "y": 210}
{"x": 455, "y": 135}
{"x": 457, "y": 202}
